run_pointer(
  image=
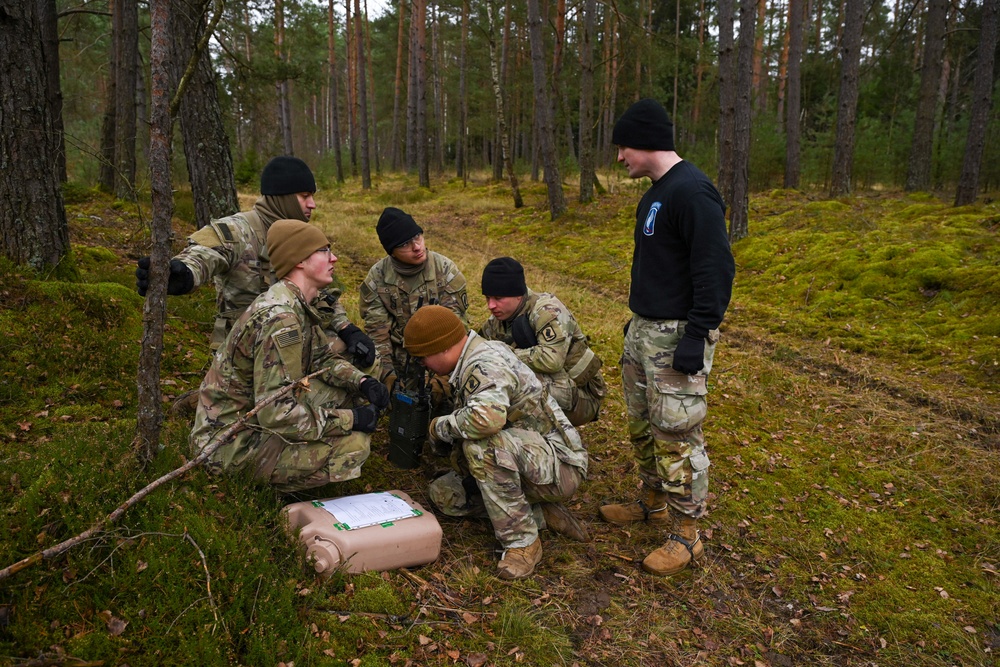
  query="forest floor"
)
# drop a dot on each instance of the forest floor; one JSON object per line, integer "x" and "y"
{"x": 853, "y": 431}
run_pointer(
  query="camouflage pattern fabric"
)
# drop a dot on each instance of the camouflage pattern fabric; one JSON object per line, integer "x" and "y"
{"x": 513, "y": 439}
{"x": 304, "y": 439}
{"x": 389, "y": 298}
{"x": 562, "y": 359}
{"x": 232, "y": 252}
{"x": 666, "y": 409}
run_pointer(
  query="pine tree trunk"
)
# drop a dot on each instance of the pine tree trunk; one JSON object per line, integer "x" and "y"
{"x": 334, "y": 87}
{"x": 918, "y": 176}
{"x": 53, "y": 90}
{"x": 740, "y": 203}
{"x": 543, "y": 113}
{"x": 281, "y": 86}
{"x": 727, "y": 99}
{"x": 462, "y": 141}
{"x": 150, "y": 414}
{"x": 793, "y": 94}
{"x": 33, "y": 229}
{"x": 982, "y": 103}
{"x": 366, "y": 174}
{"x": 587, "y": 168}
{"x": 126, "y": 38}
{"x": 423, "y": 165}
{"x": 397, "y": 95}
{"x": 106, "y": 176}
{"x": 504, "y": 141}
{"x": 847, "y": 99}
{"x": 206, "y": 146}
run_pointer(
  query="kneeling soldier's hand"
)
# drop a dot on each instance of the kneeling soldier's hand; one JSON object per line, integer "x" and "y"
{"x": 365, "y": 419}
{"x": 376, "y": 392}
{"x": 523, "y": 334}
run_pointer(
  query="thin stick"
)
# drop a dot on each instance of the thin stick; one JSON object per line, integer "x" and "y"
{"x": 226, "y": 436}
{"x": 208, "y": 577}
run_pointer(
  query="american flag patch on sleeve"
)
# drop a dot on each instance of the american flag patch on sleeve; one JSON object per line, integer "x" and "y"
{"x": 287, "y": 337}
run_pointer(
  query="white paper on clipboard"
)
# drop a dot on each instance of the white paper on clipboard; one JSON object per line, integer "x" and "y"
{"x": 367, "y": 509}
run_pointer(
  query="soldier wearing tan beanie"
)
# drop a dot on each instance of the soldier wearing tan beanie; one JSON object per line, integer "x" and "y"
{"x": 502, "y": 416}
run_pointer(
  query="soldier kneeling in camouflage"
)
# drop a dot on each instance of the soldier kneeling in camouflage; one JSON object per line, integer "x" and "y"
{"x": 506, "y": 434}
{"x": 310, "y": 436}
{"x": 545, "y": 336}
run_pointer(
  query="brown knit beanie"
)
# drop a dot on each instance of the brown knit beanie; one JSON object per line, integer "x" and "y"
{"x": 290, "y": 242}
{"x": 432, "y": 329}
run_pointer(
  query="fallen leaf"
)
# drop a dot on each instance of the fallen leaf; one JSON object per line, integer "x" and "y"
{"x": 476, "y": 659}
{"x": 116, "y": 626}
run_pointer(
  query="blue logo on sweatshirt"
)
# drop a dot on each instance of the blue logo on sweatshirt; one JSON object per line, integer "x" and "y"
{"x": 647, "y": 227}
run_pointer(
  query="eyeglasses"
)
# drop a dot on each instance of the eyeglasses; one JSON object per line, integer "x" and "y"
{"x": 408, "y": 245}
{"x": 326, "y": 250}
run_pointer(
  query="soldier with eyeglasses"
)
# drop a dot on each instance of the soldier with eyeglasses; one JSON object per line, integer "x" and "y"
{"x": 408, "y": 278}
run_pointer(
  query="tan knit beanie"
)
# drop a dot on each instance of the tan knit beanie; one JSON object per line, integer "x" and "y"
{"x": 432, "y": 329}
{"x": 290, "y": 242}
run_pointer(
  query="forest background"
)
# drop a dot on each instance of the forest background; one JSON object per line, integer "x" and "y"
{"x": 854, "y": 431}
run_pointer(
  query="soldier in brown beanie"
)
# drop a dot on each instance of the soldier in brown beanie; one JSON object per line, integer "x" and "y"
{"x": 311, "y": 436}
{"x": 505, "y": 433}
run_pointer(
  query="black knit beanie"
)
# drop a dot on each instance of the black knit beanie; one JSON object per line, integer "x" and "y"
{"x": 286, "y": 175}
{"x": 396, "y": 227}
{"x": 644, "y": 125}
{"x": 504, "y": 276}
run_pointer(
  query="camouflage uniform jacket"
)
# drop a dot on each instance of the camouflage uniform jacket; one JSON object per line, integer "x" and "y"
{"x": 562, "y": 350}
{"x": 233, "y": 252}
{"x": 389, "y": 299}
{"x": 494, "y": 391}
{"x": 276, "y": 341}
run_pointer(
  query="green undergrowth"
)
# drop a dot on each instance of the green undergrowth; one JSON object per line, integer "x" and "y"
{"x": 854, "y": 489}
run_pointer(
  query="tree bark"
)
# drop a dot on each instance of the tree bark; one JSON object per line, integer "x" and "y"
{"x": 366, "y": 173}
{"x": 126, "y": 39}
{"x": 423, "y": 164}
{"x": 48, "y": 19}
{"x": 543, "y": 112}
{"x": 206, "y": 145}
{"x": 501, "y": 111}
{"x": 106, "y": 176}
{"x": 739, "y": 205}
{"x": 847, "y": 99}
{"x": 462, "y": 141}
{"x": 982, "y": 103}
{"x": 397, "y": 93}
{"x": 150, "y": 414}
{"x": 918, "y": 176}
{"x": 793, "y": 92}
{"x": 334, "y": 86}
{"x": 281, "y": 86}
{"x": 33, "y": 228}
{"x": 727, "y": 98}
{"x": 587, "y": 167}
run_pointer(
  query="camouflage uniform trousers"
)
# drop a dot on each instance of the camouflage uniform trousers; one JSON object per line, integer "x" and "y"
{"x": 514, "y": 469}
{"x": 295, "y": 466}
{"x": 666, "y": 409}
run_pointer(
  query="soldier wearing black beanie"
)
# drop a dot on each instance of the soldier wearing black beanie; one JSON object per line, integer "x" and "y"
{"x": 682, "y": 280}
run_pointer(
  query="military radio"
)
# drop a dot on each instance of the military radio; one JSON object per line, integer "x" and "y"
{"x": 409, "y": 417}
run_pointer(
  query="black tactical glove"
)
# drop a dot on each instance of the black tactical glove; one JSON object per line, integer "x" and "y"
{"x": 180, "y": 281}
{"x": 376, "y": 392}
{"x": 359, "y": 346}
{"x": 365, "y": 419}
{"x": 524, "y": 335}
{"x": 689, "y": 357}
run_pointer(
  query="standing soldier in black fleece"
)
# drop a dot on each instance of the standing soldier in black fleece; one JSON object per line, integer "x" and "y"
{"x": 682, "y": 279}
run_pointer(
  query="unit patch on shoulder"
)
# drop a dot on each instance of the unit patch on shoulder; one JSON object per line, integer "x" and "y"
{"x": 287, "y": 337}
{"x": 471, "y": 385}
{"x": 548, "y": 333}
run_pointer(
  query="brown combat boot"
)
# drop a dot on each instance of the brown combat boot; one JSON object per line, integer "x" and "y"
{"x": 651, "y": 508}
{"x": 520, "y": 562}
{"x": 560, "y": 520}
{"x": 683, "y": 547}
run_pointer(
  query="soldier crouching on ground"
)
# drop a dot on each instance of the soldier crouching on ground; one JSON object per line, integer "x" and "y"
{"x": 396, "y": 286}
{"x": 310, "y": 436}
{"x": 544, "y": 335}
{"x": 232, "y": 253}
{"x": 506, "y": 433}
